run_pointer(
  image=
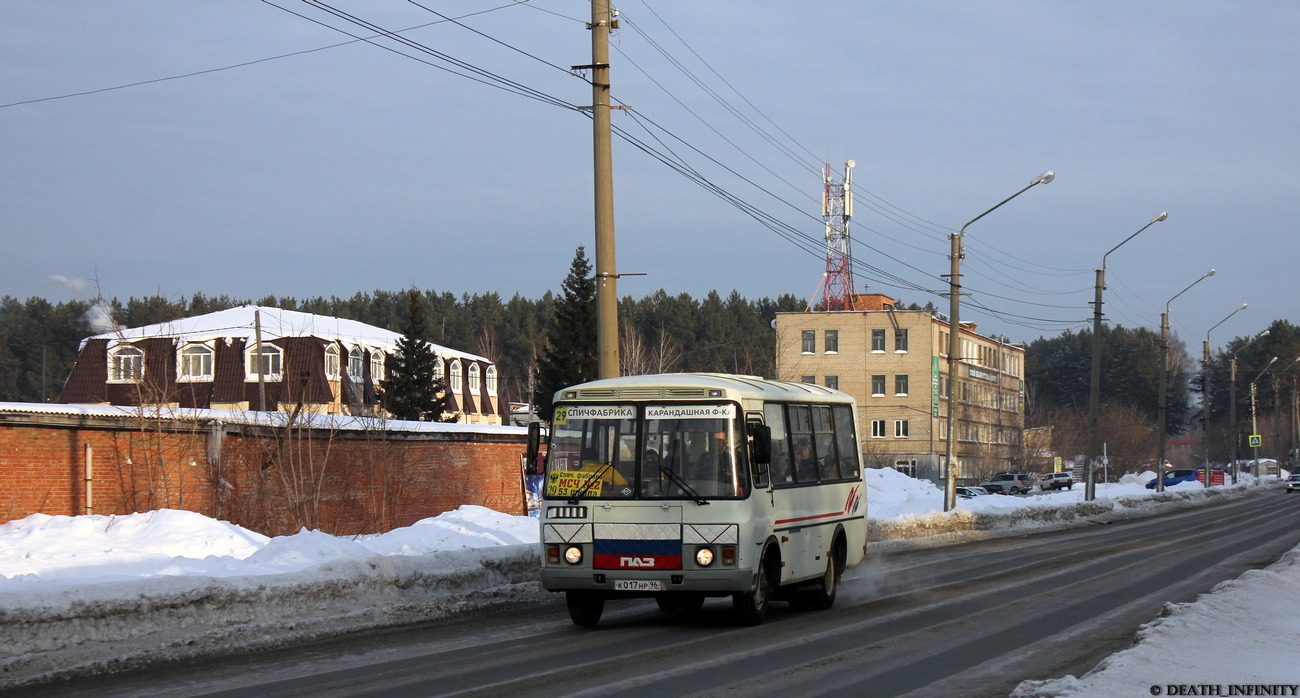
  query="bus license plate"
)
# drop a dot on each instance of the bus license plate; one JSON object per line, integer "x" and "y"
{"x": 636, "y": 585}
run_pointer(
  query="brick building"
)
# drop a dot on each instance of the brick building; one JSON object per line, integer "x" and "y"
{"x": 325, "y": 364}
{"x": 895, "y": 363}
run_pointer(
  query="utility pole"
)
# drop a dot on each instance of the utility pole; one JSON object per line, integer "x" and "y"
{"x": 602, "y": 20}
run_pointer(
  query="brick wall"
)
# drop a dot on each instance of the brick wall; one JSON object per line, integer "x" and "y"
{"x": 270, "y": 480}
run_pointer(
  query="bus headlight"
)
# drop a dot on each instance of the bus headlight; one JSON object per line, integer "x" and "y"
{"x": 704, "y": 556}
{"x": 573, "y": 554}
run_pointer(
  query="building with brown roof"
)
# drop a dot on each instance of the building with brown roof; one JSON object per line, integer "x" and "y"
{"x": 323, "y": 364}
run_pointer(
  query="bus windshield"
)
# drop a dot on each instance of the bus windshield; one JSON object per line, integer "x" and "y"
{"x": 679, "y": 452}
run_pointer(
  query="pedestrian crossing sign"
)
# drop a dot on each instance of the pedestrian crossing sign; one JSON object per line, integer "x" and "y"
{"x": 1256, "y": 441}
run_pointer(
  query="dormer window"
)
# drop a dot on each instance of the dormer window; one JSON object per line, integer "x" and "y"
{"x": 377, "y": 366}
{"x": 125, "y": 364}
{"x": 357, "y": 364}
{"x": 266, "y": 357}
{"x": 333, "y": 367}
{"x": 473, "y": 377}
{"x": 195, "y": 363}
{"x": 492, "y": 380}
{"x": 456, "y": 385}
{"x": 438, "y": 371}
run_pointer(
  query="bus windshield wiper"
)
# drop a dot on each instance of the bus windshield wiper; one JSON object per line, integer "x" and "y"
{"x": 681, "y": 482}
{"x": 595, "y": 477}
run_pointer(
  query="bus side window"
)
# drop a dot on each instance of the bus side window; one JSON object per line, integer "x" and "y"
{"x": 781, "y": 471}
{"x": 805, "y": 459}
{"x": 847, "y": 440}
{"x": 828, "y": 463}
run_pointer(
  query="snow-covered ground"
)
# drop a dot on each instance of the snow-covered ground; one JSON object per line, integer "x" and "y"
{"x": 109, "y": 592}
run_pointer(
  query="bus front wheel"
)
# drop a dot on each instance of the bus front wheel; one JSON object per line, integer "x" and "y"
{"x": 584, "y": 607}
{"x": 750, "y": 607}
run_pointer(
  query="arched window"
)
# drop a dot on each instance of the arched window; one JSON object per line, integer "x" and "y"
{"x": 195, "y": 363}
{"x": 269, "y": 359}
{"x": 333, "y": 369}
{"x": 456, "y": 386}
{"x": 357, "y": 364}
{"x": 492, "y": 380}
{"x": 473, "y": 377}
{"x": 437, "y": 367}
{"x": 376, "y": 366}
{"x": 125, "y": 364}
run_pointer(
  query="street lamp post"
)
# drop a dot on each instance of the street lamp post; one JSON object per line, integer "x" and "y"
{"x": 1094, "y": 388}
{"x": 1232, "y": 402}
{"x": 1205, "y": 395}
{"x": 1254, "y": 425}
{"x": 954, "y": 344}
{"x": 1164, "y": 379}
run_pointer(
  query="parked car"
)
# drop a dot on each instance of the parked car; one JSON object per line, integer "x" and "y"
{"x": 1293, "y": 483}
{"x": 1009, "y": 483}
{"x": 971, "y": 492}
{"x": 1176, "y": 476}
{"x": 1056, "y": 481}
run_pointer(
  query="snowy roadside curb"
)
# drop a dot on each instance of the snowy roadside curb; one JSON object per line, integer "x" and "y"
{"x": 1242, "y": 615}
{"x": 938, "y": 526}
{"x": 97, "y": 628}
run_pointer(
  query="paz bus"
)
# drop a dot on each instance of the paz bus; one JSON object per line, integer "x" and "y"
{"x": 686, "y": 486}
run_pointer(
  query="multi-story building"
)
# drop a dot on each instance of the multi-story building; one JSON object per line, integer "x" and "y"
{"x": 895, "y": 363}
{"x": 322, "y": 364}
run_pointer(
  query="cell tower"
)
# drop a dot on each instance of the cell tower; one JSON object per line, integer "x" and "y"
{"x": 837, "y": 209}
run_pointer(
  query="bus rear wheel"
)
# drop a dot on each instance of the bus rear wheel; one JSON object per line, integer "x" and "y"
{"x": 584, "y": 607}
{"x": 823, "y": 596}
{"x": 750, "y": 607}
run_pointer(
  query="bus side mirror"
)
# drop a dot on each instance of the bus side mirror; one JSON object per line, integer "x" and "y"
{"x": 760, "y": 446}
{"x": 536, "y": 466}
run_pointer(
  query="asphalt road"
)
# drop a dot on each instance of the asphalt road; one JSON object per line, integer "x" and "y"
{"x": 968, "y": 620}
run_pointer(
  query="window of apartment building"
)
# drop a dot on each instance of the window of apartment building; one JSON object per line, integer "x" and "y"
{"x": 943, "y": 430}
{"x": 900, "y": 341}
{"x": 877, "y": 340}
{"x": 266, "y": 358}
{"x": 900, "y": 384}
{"x": 810, "y": 341}
{"x": 195, "y": 363}
{"x": 811, "y": 380}
{"x": 333, "y": 366}
{"x": 833, "y": 382}
{"x": 877, "y": 428}
{"x": 832, "y": 341}
{"x": 943, "y": 343}
{"x": 377, "y": 366}
{"x": 356, "y": 364}
{"x": 878, "y": 385}
{"x": 900, "y": 428}
{"x": 125, "y": 364}
{"x": 456, "y": 385}
{"x": 906, "y": 467}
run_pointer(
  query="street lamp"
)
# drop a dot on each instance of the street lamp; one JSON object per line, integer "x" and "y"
{"x": 1164, "y": 379}
{"x": 1254, "y": 425}
{"x": 1094, "y": 388}
{"x": 1232, "y": 400}
{"x": 1205, "y": 394}
{"x": 1277, "y": 402}
{"x": 954, "y": 343}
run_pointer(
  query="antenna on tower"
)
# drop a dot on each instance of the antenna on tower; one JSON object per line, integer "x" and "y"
{"x": 837, "y": 209}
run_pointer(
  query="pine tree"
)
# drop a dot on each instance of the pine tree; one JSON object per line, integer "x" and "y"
{"x": 410, "y": 390}
{"x": 570, "y": 355}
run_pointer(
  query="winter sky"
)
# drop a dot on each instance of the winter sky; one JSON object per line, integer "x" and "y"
{"x": 297, "y": 161}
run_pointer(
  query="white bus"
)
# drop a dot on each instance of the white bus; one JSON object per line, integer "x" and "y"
{"x": 692, "y": 485}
